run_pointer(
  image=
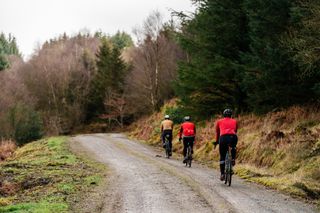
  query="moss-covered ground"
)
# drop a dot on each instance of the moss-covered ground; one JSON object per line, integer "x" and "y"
{"x": 44, "y": 176}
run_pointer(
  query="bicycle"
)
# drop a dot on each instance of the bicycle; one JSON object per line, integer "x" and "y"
{"x": 167, "y": 146}
{"x": 189, "y": 155}
{"x": 228, "y": 167}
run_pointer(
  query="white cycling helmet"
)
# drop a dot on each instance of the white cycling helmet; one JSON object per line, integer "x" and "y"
{"x": 187, "y": 118}
{"x": 166, "y": 117}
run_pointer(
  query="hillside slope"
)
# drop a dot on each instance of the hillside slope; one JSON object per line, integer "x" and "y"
{"x": 45, "y": 176}
{"x": 279, "y": 150}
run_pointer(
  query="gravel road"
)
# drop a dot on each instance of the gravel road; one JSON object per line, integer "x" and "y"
{"x": 144, "y": 182}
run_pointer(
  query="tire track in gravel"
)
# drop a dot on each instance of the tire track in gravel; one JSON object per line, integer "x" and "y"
{"x": 145, "y": 183}
{"x": 141, "y": 186}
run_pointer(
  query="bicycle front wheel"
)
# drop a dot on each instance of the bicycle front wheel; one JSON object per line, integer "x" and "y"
{"x": 230, "y": 177}
{"x": 226, "y": 177}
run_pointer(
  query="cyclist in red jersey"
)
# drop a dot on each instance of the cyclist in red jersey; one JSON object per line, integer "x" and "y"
{"x": 187, "y": 133}
{"x": 226, "y": 134}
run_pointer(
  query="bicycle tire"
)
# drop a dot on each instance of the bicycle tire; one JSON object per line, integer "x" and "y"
{"x": 230, "y": 177}
{"x": 190, "y": 156}
{"x": 167, "y": 148}
{"x": 226, "y": 177}
{"x": 187, "y": 156}
{"x": 228, "y": 169}
{"x": 167, "y": 154}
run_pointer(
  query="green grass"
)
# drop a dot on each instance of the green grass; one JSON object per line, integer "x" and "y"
{"x": 44, "y": 176}
{"x": 42, "y": 207}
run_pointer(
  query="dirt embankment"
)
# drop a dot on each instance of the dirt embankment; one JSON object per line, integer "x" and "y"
{"x": 280, "y": 150}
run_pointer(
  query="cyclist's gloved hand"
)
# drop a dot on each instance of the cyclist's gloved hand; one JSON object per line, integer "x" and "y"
{"x": 215, "y": 143}
{"x": 180, "y": 139}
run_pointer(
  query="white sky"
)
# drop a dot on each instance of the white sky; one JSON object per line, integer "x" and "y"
{"x": 35, "y": 21}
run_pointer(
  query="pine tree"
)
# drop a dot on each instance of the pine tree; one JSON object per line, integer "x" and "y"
{"x": 118, "y": 71}
{"x": 8, "y": 46}
{"x": 101, "y": 81}
{"x": 213, "y": 40}
{"x": 121, "y": 40}
{"x": 303, "y": 44}
{"x": 3, "y": 52}
{"x": 270, "y": 75}
{"x": 109, "y": 78}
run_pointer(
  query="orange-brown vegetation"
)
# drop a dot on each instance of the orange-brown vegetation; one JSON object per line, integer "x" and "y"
{"x": 280, "y": 149}
{"x": 7, "y": 148}
{"x": 8, "y": 188}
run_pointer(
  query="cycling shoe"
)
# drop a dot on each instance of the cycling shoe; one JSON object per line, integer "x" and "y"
{"x": 222, "y": 177}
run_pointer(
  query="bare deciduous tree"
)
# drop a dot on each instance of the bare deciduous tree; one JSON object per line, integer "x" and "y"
{"x": 58, "y": 77}
{"x": 116, "y": 106}
{"x": 154, "y": 64}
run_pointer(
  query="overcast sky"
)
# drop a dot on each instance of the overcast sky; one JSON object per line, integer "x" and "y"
{"x": 34, "y": 21}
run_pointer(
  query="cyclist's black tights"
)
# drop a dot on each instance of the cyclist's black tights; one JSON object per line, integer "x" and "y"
{"x": 169, "y": 133}
{"x": 187, "y": 140}
{"x": 224, "y": 141}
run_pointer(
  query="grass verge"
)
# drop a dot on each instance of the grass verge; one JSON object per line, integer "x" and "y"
{"x": 44, "y": 176}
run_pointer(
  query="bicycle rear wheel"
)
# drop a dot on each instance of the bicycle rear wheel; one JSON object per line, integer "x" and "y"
{"x": 230, "y": 176}
{"x": 187, "y": 160}
{"x": 227, "y": 179}
{"x": 167, "y": 149}
{"x": 189, "y": 156}
{"x": 228, "y": 170}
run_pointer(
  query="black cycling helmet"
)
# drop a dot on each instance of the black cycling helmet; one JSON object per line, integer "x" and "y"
{"x": 227, "y": 113}
{"x": 187, "y": 118}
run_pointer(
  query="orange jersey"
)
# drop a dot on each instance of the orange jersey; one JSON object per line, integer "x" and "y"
{"x": 226, "y": 126}
{"x": 187, "y": 129}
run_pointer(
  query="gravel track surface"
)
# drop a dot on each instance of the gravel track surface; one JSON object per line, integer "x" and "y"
{"x": 144, "y": 182}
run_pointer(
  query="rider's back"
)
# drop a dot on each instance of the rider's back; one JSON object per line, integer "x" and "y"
{"x": 167, "y": 124}
{"x": 227, "y": 126}
{"x": 188, "y": 129}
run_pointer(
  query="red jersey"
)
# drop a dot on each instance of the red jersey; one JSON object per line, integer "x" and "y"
{"x": 226, "y": 126}
{"x": 187, "y": 129}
